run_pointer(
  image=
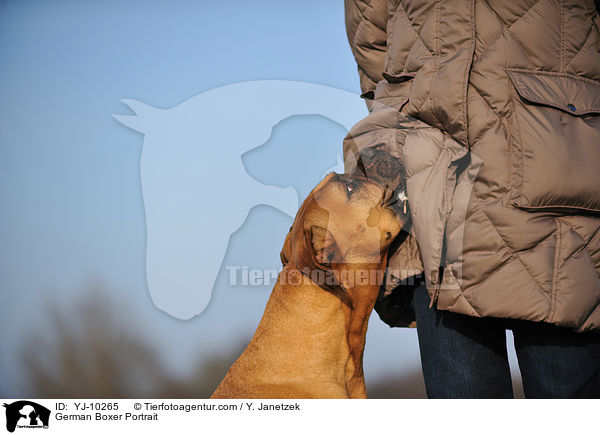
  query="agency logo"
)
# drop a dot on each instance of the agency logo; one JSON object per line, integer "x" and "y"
{"x": 26, "y": 415}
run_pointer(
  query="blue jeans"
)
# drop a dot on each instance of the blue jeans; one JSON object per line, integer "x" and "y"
{"x": 466, "y": 357}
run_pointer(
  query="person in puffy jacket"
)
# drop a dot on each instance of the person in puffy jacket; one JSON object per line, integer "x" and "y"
{"x": 493, "y": 108}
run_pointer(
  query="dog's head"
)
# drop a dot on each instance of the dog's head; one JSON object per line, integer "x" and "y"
{"x": 348, "y": 221}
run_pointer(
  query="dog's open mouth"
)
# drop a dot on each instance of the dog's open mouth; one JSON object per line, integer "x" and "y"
{"x": 390, "y": 197}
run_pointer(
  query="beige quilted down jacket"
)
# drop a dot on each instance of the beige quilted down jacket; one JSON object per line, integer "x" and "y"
{"x": 494, "y": 108}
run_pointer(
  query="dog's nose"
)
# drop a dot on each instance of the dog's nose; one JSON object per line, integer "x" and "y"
{"x": 380, "y": 167}
{"x": 387, "y": 169}
{"x": 371, "y": 157}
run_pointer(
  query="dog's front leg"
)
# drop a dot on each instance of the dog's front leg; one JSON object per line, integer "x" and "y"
{"x": 357, "y": 319}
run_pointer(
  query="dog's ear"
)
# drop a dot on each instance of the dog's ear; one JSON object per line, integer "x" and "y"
{"x": 309, "y": 249}
{"x": 286, "y": 251}
{"x": 309, "y": 246}
{"x": 321, "y": 246}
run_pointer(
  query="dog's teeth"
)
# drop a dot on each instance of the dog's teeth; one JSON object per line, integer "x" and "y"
{"x": 402, "y": 196}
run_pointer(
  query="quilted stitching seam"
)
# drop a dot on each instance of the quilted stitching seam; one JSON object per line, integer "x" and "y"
{"x": 487, "y": 103}
{"x": 508, "y": 29}
{"x": 495, "y": 13}
{"x": 414, "y": 29}
{"x": 524, "y": 13}
{"x": 468, "y": 68}
{"x": 562, "y": 34}
{"x": 516, "y": 256}
{"x": 555, "y": 279}
{"x": 582, "y": 247}
{"x": 505, "y": 30}
{"x": 585, "y": 40}
{"x": 362, "y": 13}
{"x": 592, "y": 311}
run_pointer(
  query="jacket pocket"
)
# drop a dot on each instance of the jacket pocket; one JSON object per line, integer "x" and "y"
{"x": 556, "y": 142}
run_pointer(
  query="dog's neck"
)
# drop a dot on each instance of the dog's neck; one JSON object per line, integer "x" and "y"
{"x": 301, "y": 323}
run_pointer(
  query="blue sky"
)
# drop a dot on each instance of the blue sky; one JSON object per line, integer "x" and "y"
{"x": 71, "y": 207}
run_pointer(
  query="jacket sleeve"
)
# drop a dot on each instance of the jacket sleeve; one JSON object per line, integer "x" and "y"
{"x": 366, "y": 22}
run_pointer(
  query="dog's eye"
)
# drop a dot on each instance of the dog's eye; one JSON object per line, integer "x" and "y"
{"x": 350, "y": 186}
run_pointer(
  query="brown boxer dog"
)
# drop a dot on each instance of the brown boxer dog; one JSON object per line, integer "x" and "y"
{"x": 311, "y": 338}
